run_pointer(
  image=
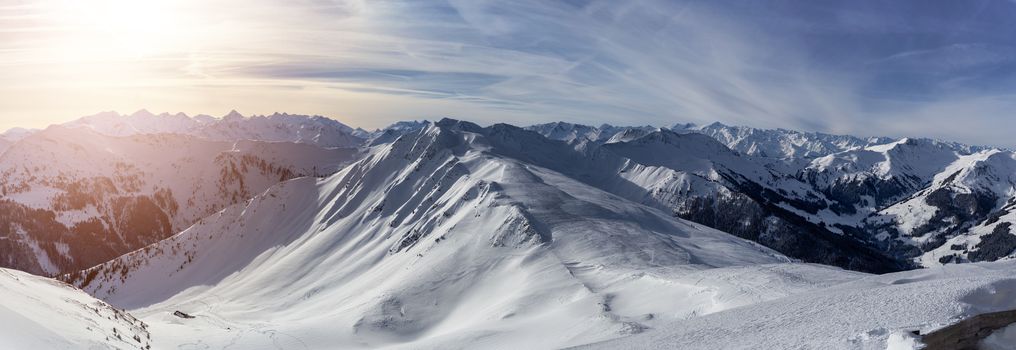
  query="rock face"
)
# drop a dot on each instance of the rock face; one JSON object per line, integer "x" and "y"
{"x": 966, "y": 334}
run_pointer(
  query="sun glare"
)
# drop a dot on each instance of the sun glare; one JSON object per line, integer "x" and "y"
{"x": 105, "y": 29}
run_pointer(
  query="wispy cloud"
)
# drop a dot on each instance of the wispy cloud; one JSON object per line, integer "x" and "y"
{"x": 833, "y": 68}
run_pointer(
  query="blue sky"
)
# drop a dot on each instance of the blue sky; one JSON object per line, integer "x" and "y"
{"x": 942, "y": 69}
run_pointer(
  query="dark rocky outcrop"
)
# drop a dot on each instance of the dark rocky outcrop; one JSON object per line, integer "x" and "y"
{"x": 966, "y": 334}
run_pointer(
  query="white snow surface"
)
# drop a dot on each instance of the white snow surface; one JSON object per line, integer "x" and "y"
{"x": 40, "y": 313}
{"x": 4, "y": 144}
{"x": 861, "y": 314}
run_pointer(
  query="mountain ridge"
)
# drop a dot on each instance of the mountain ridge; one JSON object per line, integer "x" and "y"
{"x": 416, "y": 234}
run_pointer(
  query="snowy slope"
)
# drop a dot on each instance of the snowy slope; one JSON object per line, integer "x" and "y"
{"x": 73, "y": 198}
{"x": 278, "y": 127}
{"x": 4, "y": 144}
{"x": 862, "y": 314}
{"x": 40, "y": 313}
{"x": 441, "y": 239}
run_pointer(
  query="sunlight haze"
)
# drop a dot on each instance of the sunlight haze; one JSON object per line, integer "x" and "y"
{"x": 849, "y": 67}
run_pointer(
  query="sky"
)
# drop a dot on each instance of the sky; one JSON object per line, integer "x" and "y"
{"x": 935, "y": 68}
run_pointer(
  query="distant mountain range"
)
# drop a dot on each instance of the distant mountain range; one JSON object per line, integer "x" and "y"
{"x": 278, "y": 127}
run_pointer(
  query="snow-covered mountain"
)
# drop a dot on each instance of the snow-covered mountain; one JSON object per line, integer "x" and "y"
{"x": 278, "y": 127}
{"x": 441, "y": 237}
{"x": 962, "y": 215}
{"x": 695, "y": 177}
{"x": 780, "y": 143}
{"x": 774, "y": 143}
{"x": 40, "y": 313}
{"x": 394, "y": 131}
{"x": 921, "y": 199}
{"x": 893, "y": 195}
{"x": 73, "y": 198}
{"x": 459, "y": 236}
{"x": 569, "y": 132}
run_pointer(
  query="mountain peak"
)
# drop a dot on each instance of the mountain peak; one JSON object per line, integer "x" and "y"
{"x": 446, "y": 122}
{"x": 233, "y": 114}
{"x": 684, "y": 126}
{"x": 16, "y": 134}
{"x": 106, "y": 114}
{"x": 458, "y": 125}
{"x": 142, "y": 113}
{"x": 670, "y": 137}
